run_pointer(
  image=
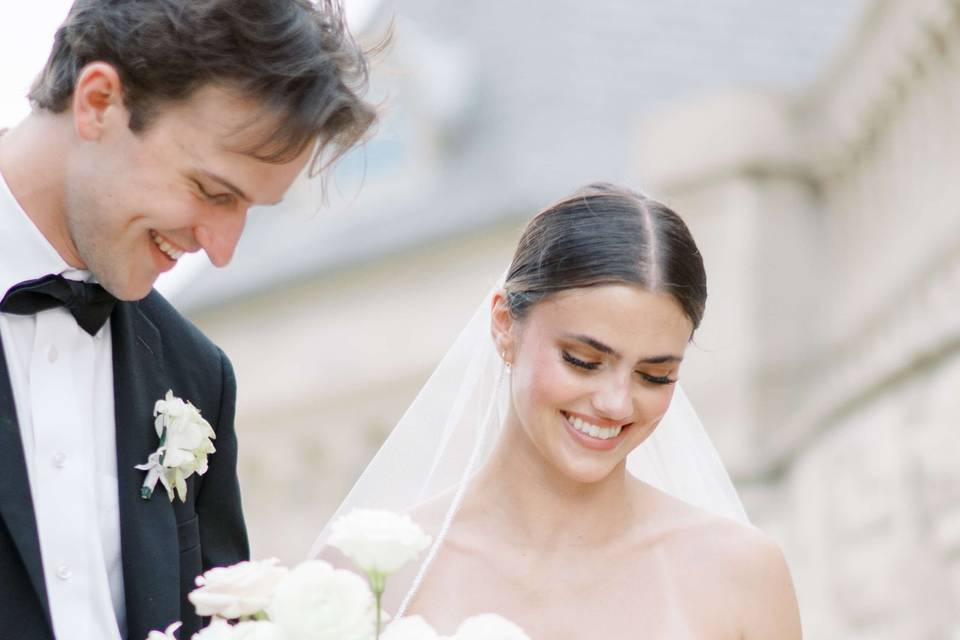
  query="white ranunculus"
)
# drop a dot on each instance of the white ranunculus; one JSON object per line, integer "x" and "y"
{"x": 317, "y": 602}
{"x": 489, "y": 626}
{"x": 379, "y": 541}
{"x": 239, "y": 590}
{"x": 409, "y": 628}
{"x": 166, "y": 634}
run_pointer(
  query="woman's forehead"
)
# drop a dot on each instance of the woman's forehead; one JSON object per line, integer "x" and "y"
{"x": 620, "y": 316}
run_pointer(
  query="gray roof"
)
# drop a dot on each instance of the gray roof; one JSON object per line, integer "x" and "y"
{"x": 494, "y": 109}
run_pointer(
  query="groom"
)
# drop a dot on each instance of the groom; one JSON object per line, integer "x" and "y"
{"x": 155, "y": 127}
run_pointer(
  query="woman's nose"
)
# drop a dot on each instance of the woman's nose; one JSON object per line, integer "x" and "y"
{"x": 612, "y": 400}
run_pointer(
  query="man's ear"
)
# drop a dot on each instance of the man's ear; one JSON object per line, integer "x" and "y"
{"x": 98, "y": 90}
{"x": 503, "y": 327}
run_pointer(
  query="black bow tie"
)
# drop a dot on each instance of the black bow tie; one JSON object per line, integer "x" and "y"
{"x": 89, "y": 303}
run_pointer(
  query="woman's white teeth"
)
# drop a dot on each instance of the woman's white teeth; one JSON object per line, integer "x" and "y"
{"x": 166, "y": 247}
{"x": 592, "y": 430}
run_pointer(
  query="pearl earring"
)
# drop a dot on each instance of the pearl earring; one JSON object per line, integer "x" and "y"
{"x": 505, "y": 361}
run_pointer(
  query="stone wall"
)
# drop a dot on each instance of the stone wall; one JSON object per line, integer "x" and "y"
{"x": 829, "y": 364}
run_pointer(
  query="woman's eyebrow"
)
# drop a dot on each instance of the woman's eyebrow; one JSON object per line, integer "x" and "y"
{"x": 593, "y": 343}
{"x": 603, "y": 348}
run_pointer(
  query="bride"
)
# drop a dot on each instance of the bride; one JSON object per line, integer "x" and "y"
{"x": 566, "y": 481}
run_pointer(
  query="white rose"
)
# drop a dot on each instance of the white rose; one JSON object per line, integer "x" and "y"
{"x": 218, "y": 630}
{"x": 379, "y": 541}
{"x": 410, "y": 628}
{"x": 489, "y": 626}
{"x": 166, "y": 634}
{"x": 239, "y": 590}
{"x": 317, "y": 602}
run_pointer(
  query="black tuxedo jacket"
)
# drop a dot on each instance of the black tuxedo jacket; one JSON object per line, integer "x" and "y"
{"x": 164, "y": 545}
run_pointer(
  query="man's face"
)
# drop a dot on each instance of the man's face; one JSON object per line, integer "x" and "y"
{"x": 136, "y": 202}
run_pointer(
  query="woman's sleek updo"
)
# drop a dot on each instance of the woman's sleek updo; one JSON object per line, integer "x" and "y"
{"x": 605, "y": 234}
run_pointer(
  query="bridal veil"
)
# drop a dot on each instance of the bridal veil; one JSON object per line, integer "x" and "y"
{"x": 451, "y": 427}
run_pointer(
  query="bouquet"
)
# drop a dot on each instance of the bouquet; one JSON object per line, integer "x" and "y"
{"x": 260, "y": 600}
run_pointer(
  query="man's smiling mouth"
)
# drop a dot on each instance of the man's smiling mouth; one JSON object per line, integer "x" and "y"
{"x": 168, "y": 249}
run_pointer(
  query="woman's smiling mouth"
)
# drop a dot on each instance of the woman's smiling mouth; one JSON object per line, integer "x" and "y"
{"x": 592, "y": 435}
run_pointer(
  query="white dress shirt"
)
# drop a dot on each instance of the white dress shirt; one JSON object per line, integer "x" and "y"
{"x": 62, "y": 381}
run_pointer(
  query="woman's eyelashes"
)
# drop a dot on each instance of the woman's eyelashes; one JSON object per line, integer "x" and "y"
{"x": 657, "y": 379}
{"x": 578, "y": 363}
{"x": 586, "y": 365}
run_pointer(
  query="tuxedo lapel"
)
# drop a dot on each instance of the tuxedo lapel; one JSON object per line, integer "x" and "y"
{"x": 148, "y": 528}
{"x": 16, "y": 502}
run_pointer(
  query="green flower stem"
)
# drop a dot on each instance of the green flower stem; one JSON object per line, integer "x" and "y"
{"x": 147, "y": 492}
{"x": 378, "y": 582}
{"x": 163, "y": 440}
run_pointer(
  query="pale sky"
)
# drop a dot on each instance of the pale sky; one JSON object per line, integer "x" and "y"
{"x": 26, "y": 35}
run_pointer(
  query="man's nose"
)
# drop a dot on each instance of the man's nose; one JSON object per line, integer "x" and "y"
{"x": 219, "y": 234}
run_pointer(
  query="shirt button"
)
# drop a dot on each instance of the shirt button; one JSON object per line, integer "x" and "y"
{"x": 64, "y": 572}
{"x": 59, "y": 459}
{"x": 52, "y": 354}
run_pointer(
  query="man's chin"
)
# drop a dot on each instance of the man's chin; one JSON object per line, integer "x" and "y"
{"x": 127, "y": 291}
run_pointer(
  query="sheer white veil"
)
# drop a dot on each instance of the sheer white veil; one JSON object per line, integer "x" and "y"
{"x": 452, "y": 425}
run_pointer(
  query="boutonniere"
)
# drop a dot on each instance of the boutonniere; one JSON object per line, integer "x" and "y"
{"x": 186, "y": 439}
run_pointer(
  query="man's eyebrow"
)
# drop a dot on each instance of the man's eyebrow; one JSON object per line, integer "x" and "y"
{"x": 602, "y": 348}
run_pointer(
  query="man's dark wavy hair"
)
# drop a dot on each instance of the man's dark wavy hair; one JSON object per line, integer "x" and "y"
{"x": 296, "y": 57}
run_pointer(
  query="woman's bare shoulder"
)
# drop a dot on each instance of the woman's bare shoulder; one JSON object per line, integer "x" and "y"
{"x": 737, "y": 547}
{"x": 744, "y": 561}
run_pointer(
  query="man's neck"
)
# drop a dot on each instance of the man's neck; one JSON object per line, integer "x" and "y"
{"x": 32, "y": 162}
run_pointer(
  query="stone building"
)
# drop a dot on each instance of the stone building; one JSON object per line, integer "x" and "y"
{"x": 811, "y": 147}
{"x": 831, "y": 224}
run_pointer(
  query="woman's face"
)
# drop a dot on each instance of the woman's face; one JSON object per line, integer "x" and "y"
{"x": 593, "y": 372}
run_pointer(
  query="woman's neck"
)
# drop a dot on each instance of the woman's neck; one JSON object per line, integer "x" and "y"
{"x": 523, "y": 491}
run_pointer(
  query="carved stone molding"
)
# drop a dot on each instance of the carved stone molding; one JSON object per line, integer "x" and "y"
{"x": 862, "y": 92}
{"x": 918, "y": 330}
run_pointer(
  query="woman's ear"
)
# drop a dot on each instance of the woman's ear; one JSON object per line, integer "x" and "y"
{"x": 502, "y": 327}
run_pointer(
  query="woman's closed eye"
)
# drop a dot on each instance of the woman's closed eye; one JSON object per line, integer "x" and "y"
{"x": 657, "y": 379}
{"x": 588, "y": 365}
{"x": 578, "y": 363}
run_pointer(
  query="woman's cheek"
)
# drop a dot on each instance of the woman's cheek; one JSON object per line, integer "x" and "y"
{"x": 657, "y": 402}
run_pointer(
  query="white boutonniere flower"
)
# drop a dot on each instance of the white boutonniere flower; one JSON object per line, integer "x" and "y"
{"x": 186, "y": 439}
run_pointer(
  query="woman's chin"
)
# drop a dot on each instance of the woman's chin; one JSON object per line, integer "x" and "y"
{"x": 588, "y": 471}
